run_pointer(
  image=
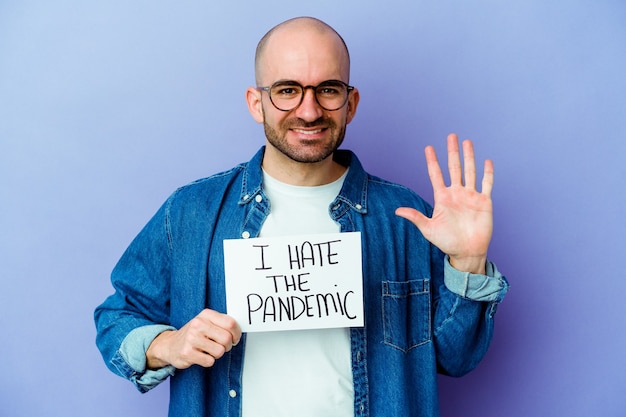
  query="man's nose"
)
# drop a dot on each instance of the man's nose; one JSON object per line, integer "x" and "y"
{"x": 309, "y": 109}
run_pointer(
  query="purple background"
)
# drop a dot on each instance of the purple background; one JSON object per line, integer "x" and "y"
{"x": 106, "y": 107}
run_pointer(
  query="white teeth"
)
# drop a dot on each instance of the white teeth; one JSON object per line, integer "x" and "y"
{"x": 308, "y": 132}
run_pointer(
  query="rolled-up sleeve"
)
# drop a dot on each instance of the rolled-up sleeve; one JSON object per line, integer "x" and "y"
{"x": 477, "y": 287}
{"x": 133, "y": 352}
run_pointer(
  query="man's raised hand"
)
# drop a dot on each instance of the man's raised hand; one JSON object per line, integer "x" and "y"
{"x": 462, "y": 221}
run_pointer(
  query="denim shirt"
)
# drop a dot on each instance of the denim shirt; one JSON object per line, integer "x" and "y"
{"x": 422, "y": 317}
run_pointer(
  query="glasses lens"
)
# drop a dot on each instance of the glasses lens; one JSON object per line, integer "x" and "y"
{"x": 331, "y": 95}
{"x": 286, "y": 96}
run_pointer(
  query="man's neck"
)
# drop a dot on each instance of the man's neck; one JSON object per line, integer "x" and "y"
{"x": 284, "y": 169}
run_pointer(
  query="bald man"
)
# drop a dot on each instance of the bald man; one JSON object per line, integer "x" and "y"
{"x": 430, "y": 293}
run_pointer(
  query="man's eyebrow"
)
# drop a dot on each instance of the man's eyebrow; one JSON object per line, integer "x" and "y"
{"x": 288, "y": 82}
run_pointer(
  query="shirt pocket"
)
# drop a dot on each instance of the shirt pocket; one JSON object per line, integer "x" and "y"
{"x": 406, "y": 313}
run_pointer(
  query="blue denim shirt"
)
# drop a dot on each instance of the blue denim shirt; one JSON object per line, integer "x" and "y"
{"x": 421, "y": 316}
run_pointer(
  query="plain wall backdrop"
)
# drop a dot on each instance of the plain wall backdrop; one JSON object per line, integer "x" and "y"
{"x": 107, "y": 107}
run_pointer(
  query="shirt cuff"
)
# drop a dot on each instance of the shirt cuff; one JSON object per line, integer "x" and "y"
{"x": 489, "y": 288}
{"x": 133, "y": 351}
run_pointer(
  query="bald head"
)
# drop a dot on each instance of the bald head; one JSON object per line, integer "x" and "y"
{"x": 279, "y": 36}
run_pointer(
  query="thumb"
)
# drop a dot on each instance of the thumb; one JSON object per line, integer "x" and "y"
{"x": 414, "y": 216}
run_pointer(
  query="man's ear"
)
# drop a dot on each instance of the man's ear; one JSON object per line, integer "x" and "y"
{"x": 255, "y": 106}
{"x": 353, "y": 103}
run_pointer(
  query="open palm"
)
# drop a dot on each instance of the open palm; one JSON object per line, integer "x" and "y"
{"x": 462, "y": 221}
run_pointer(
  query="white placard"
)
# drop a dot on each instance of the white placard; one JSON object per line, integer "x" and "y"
{"x": 295, "y": 282}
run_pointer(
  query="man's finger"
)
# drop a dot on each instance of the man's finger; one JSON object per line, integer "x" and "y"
{"x": 434, "y": 170}
{"x": 487, "y": 185}
{"x": 454, "y": 160}
{"x": 414, "y": 216}
{"x": 470, "y": 164}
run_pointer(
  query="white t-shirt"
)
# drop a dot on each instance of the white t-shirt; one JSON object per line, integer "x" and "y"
{"x": 302, "y": 373}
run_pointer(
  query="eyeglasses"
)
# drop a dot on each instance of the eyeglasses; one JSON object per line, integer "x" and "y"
{"x": 287, "y": 95}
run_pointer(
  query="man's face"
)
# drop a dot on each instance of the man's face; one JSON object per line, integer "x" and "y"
{"x": 308, "y": 133}
{"x": 304, "y": 141}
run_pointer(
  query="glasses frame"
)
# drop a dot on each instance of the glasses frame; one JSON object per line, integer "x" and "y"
{"x": 268, "y": 90}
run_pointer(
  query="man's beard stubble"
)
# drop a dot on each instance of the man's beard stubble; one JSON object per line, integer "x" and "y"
{"x": 301, "y": 152}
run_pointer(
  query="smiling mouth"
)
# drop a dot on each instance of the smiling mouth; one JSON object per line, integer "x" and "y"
{"x": 308, "y": 132}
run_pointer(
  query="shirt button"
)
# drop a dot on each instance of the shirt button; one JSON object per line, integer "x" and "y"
{"x": 258, "y": 198}
{"x": 245, "y": 235}
{"x": 232, "y": 393}
{"x": 247, "y": 196}
{"x": 359, "y": 207}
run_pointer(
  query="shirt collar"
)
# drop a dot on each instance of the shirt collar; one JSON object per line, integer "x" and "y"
{"x": 353, "y": 192}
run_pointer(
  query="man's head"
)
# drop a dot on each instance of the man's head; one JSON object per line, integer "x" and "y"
{"x": 308, "y": 52}
{"x": 300, "y": 24}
